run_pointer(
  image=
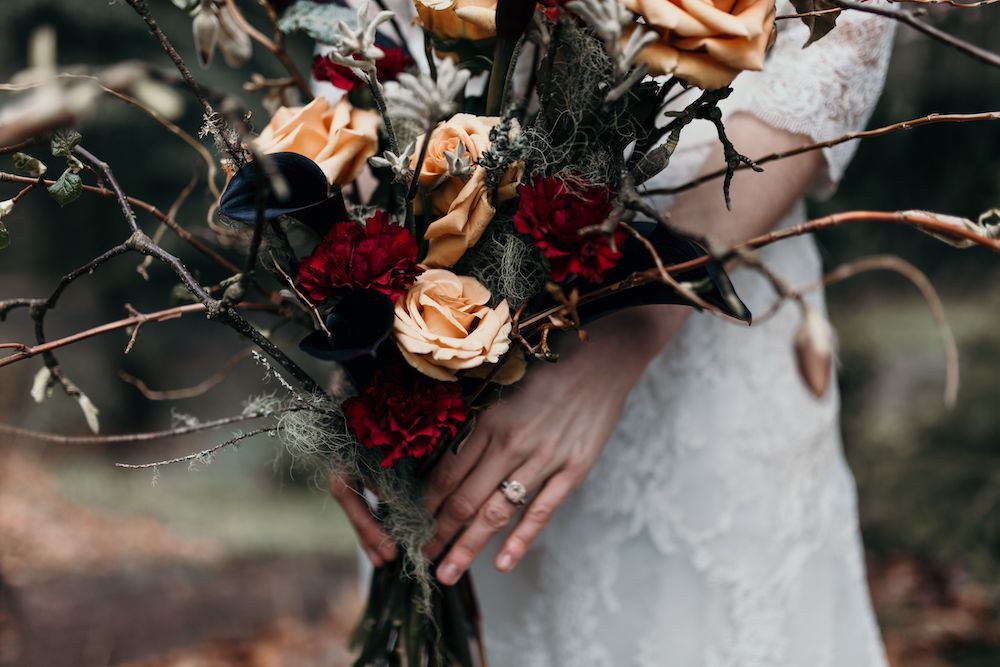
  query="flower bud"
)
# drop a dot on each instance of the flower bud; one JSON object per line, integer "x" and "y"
{"x": 6, "y": 207}
{"x": 206, "y": 33}
{"x": 234, "y": 42}
{"x": 814, "y": 351}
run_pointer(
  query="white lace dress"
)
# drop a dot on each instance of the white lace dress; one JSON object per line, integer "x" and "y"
{"x": 720, "y": 527}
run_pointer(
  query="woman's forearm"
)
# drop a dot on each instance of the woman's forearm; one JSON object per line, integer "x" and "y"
{"x": 760, "y": 201}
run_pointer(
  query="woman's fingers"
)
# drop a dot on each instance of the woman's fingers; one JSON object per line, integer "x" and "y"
{"x": 466, "y": 502}
{"x": 540, "y": 511}
{"x": 452, "y": 469}
{"x": 374, "y": 540}
{"x": 493, "y": 516}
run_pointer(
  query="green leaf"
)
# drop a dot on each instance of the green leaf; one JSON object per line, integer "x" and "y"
{"x": 67, "y": 188}
{"x": 31, "y": 166}
{"x": 316, "y": 20}
{"x": 4, "y": 237}
{"x": 820, "y": 24}
{"x": 64, "y": 141}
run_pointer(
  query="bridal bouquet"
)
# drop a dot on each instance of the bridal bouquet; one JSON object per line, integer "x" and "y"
{"x": 433, "y": 228}
{"x": 494, "y": 221}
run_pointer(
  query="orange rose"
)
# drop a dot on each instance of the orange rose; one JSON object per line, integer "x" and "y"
{"x": 338, "y": 138}
{"x": 444, "y": 325}
{"x": 464, "y": 205}
{"x": 706, "y": 42}
{"x": 458, "y": 19}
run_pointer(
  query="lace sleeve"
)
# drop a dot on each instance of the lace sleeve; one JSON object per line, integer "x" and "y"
{"x": 825, "y": 90}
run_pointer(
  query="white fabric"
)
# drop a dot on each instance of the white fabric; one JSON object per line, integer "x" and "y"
{"x": 719, "y": 528}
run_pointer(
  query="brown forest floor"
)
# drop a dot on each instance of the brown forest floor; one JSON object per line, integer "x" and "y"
{"x": 81, "y": 586}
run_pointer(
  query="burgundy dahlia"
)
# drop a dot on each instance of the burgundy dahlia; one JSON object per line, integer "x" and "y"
{"x": 553, "y": 213}
{"x": 404, "y": 413}
{"x": 378, "y": 255}
{"x": 387, "y": 68}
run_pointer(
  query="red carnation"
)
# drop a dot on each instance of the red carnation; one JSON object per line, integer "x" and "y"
{"x": 387, "y": 68}
{"x": 552, "y": 8}
{"x": 378, "y": 255}
{"x": 404, "y": 412}
{"x": 553, "y": 214}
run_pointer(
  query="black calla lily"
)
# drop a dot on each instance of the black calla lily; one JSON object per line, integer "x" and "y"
{"x": 308, "y": 199}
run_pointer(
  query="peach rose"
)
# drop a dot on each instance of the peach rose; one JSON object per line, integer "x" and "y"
{"x": 444, "y": 325}
{"x": 338, "y": 138}
{"x": 464, "y": 206}
{"x": 458, "y": 19}
{"x": 706, "y": 42}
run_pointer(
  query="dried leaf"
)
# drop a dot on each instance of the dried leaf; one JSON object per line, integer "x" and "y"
{"x": 90, "y": 412}
{"x": 41, "y": 386}
{"x": 814, "y": 351}
{"x": 819, "y": 24}
{"x": 31, "y": 166}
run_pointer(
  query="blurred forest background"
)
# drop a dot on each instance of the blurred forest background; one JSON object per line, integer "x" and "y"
{"x": 246, "y": 563}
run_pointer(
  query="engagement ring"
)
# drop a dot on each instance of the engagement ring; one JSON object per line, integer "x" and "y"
{"x": 514, "y": 491}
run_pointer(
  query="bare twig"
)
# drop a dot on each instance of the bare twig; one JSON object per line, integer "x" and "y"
{"x": 204, "y": 454}
{"x": 923, "y": 220}
{"x": 185, "y": 392}
{"x": 157, "y": 316}
{"x": 58, "y": 438}
{"x": 226, "y": 137}
{"x": 300, "y": 296}
{"x": 275, "y": 46}
{"x": 907, "y": 18}
{"x": 930, "y": 119}
{"x": 149, "y": 208}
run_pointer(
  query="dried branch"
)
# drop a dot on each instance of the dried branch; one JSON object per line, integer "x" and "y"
{"x": 274, "y": 46}
{"x": 225, "y": 136}
{"x": 157, "y": 316}
{"x": 58, "y": 438}
{"x": 185, "y": 392}
{"x": 930, "y": 119}
{"x": 168, "y": 220}
{"x": 202, "y": 455}
{"x": 923, "y": 283}
{"x": 907, "y": 18}
{"x": 925, "y": 221}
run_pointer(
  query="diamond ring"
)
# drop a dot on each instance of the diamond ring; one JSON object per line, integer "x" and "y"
{"x": 514, "y": 491}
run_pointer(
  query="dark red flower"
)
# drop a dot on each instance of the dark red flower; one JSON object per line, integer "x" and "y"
{"x": 404, "y": 413}
{"x": 552, "y": 8}
{"x": 553, "y": 213}
{"x": 387, "y": 68}
{"x": 378, "y": 255}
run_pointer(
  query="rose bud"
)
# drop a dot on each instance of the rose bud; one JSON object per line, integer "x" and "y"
{"x": 814, "y": 350}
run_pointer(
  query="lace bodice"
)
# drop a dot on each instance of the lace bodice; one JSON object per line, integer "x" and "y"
{"x": 719, "y": 528}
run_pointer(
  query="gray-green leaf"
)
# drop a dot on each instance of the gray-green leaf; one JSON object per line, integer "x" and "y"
{"x": 316, "y": 20}
{"x": 819, "y": 24}
{"x": 64, "y": 141}
{"x": 4, "y": 237}
{"x": 67, "y": 188}
{"x": 31, "y": 166}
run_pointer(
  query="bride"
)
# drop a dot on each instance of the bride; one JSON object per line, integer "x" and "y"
{"x": 688, "y": 499}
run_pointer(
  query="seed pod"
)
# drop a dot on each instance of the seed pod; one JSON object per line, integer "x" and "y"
{"x": 814, "y": 351}
{"x": 234, "y": 42}
{"x": 206, "y": 33}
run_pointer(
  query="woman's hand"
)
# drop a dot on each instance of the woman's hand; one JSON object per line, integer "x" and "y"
{"x": 547, "y": 435}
